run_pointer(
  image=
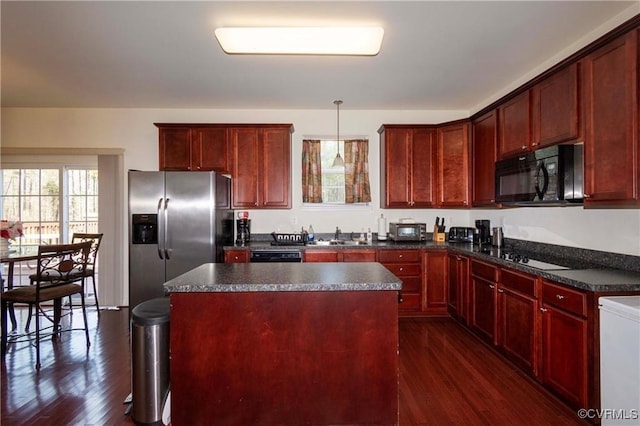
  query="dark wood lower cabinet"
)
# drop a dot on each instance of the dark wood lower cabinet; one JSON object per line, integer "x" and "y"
{"x": 236, "y": 256}
{"x": 517, "y": 318}
{"x": 284, "y": 358}
{"x": 564, "y": 349}
{"x": 406, "y": 265}
{"x": 483, "y": 308}
{"x": 484, "y": 277}
{"x": 517, "y": 327}
{"x": 568, "y": 336}
{"x": 424, "y": 274}
{"x": 320, "y": 255}
{"x": 458, "y": 288}
{"x": 435, "y": 286}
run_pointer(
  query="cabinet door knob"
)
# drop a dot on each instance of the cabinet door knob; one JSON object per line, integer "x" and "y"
{"x": 500, "y": 290}
{"x": 492, "y": 286}
{"x": 586, "y": 195}
{"x": 543, "y": 310}
{"x": 524, "y": 147}
{"x": 534, "y": 143}
{"x": 559, "y": 296}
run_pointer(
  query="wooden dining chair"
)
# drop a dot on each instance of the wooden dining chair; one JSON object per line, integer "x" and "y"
{"x": 95, "y": 239}
{"x": 60, "y": 273}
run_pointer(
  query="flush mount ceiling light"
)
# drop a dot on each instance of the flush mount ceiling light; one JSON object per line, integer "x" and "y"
{"x": 364, "y": 41}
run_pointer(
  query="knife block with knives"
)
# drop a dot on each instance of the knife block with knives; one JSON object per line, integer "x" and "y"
{"x": 439, "y": 235}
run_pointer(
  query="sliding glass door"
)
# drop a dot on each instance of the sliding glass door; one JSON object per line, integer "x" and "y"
{"x": 51, "y": 202}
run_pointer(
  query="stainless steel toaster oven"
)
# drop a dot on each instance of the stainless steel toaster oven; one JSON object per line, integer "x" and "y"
{"x": 407, "y": 231}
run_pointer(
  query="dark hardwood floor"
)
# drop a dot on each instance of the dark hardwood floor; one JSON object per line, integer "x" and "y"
{"x": 447, "y": 376}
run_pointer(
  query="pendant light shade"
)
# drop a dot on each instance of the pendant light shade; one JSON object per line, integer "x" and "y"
{"x": 338, "y": 161}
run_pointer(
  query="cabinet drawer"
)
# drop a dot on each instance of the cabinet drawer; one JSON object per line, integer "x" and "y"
{"x": 411, "y": 285}
{"x": 409, "y": 302}
{"x": 389, "y": 256}
{"x": 525, "y": 284}
{"x": 359, "y": 255}
{"x": 236, "y": 256}
{"x": 320, "y": 255}
{"x": 404, "y": 269}
{"x": 564, "y": 298}
{"x": 483, "y": 270}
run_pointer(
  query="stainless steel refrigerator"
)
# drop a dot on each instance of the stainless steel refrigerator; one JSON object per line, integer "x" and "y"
{"x": 177, "y": 221}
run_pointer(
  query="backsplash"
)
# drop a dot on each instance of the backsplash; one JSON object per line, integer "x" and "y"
{"x": 577, "y": 257}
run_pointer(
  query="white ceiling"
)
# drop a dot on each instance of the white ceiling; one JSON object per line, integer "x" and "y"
{"x": 159, "y": 54}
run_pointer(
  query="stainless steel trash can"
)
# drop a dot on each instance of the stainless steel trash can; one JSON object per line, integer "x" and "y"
{"x": 149, "y": 360}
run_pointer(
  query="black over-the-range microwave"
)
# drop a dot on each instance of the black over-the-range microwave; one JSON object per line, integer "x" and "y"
{"x": 547, "y": 176}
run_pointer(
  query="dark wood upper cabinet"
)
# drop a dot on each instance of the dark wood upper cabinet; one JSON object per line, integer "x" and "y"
{"x": 453, "y": 166}
{"x": 485, "y": 138}
{"x": 246, "y": 161}
{"x": 261, "y": 166}
{"x": 258, "y": 157}
{"x": 189, "y": 148}
{"x": 612, "y": 161}
{"x": 211, "y": 147}
{"x": 515, "y": 126}
{"x": 555, "y": 108}
{"x": 174, "y": 148}
{"x": 407, "y": 166}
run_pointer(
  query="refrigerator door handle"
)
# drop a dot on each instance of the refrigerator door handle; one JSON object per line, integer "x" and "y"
{"x": 166, "y": 228}
{"x": 160, "y": 229}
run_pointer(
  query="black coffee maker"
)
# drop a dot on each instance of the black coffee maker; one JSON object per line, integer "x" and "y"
{"x": 482, "y": 233}
{"x": 243, "y": 231}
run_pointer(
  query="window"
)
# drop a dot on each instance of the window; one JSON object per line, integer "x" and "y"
{"x": 332, "y": 177}
{"x": 51, "y": 202}
{"x": 83, "y": 201}
{"x": 326, "y": 184}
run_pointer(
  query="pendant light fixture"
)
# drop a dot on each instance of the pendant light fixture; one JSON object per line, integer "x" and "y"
{"x": 338, "y": 161}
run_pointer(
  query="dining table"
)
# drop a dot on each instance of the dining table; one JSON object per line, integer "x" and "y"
{"x": 15, "y": 254}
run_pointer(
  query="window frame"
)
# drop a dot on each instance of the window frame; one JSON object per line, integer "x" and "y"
{"x": 63, "y": 194}
{"x": 336, "y": 206}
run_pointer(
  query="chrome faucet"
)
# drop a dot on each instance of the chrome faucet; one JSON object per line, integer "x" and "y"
{"x": 337, "y": 235}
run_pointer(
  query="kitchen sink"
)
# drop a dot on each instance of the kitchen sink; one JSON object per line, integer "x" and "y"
{"x": 337, "y": 243}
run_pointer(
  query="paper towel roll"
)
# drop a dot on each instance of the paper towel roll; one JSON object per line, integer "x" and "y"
{"x": 382, "y": 228}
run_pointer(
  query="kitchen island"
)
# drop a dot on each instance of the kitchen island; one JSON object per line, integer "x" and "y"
{"x": 292, "y": 343}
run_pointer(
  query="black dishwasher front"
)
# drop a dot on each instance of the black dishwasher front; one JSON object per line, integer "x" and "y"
{"x": 275, "y": 256}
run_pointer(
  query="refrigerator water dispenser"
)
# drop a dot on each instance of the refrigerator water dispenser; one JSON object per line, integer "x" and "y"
{"x": 145, "y": 228}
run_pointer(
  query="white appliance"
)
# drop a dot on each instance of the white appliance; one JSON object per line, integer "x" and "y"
{"x": 620, "y": 360}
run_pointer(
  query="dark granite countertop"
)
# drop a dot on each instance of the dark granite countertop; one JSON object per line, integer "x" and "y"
{"x": 263, "y": 277}
{"x": 579, "y": 274}
{"x": 584, "y": 270}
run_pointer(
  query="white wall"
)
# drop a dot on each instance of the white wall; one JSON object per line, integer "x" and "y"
{"x": 133, "y": 130}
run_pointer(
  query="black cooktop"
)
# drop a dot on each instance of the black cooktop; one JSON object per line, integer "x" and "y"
{"x": 522, "y": 258}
